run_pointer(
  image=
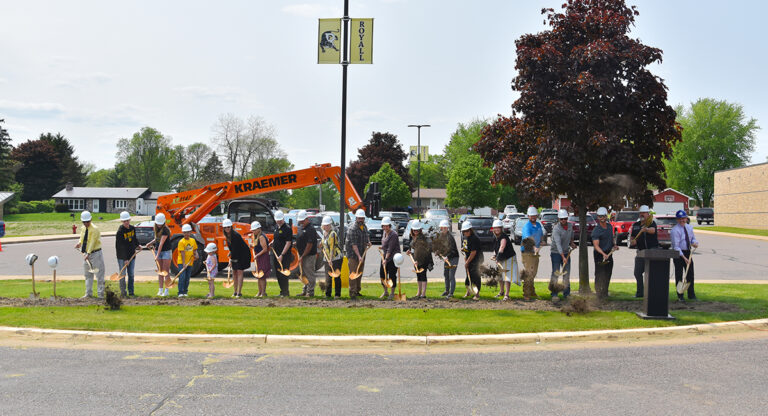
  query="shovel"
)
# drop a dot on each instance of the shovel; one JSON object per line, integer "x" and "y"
{"x": 120, "y": 276}
{"x": 34, "y": 292}
{"x": 160, "y": 272}
{"x": 228, "y": 283}
{"x": 301, "y": 275}
{"x": 332, "y": 272}
{"x": 647, "y": 223}
{"x": 415, "y": 265}
{"x": 256, "y": 272}
{"x": 88, "y": 262}
{"x": 448, "y": 264}
{"x": 282, "y": 270}
{"x": 295, "y": 262}
{"x": 604, "y": 262}
{"x": 54, "y": 283}
{"x": 561, "y": 272}
{"x": 683, "y": 284}
{"x": 357, "y": 273}
{"x": 400, "y": 297}
{"x": 173, "y": 282}
{"x": 386, "y": 281}
{"x": 469, "y": 285}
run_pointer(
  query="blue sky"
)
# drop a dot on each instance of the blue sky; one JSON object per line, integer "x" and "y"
{"x": 97, "y": 71}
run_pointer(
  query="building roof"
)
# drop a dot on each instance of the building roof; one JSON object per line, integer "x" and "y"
{"x": 109, "y": 193}
{"x": 437, "y": 193}
{"x": 673, "y": 190}
{"x": 155, "y": 195}
{"x": 5, "y": 196}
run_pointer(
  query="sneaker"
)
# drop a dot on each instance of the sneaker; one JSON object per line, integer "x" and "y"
{"x": 86, "y": 296}
{"x": 498, "y": 295}
{"x": 555, "y": 299}
{"x": 165, "y": 292}
{"x": 384, "y": 295}
{"x": 209, "y": 296}
{"x": 159, "y": 292}
{"x": 181, "y": 295}
{"x": 506, "y": 298}
{"x": 444, "y": 294}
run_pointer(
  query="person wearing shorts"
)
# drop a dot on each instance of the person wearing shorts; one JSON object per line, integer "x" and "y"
{"x": 422, "y": 255}
{"x": 162, "y": 249}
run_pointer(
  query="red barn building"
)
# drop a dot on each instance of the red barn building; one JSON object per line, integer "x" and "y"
{"x": 670, "y": 195}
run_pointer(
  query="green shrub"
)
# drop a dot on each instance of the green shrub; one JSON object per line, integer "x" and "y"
{"x": 31, "y": 207}
{"x": 61, "y": 208}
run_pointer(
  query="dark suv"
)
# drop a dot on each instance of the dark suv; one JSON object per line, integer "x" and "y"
{"x": 705, "y": 215}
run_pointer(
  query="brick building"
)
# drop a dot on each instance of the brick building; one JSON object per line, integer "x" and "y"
{"x": 741, "y": 197}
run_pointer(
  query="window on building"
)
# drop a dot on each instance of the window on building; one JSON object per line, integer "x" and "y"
{"x": 75, "y": 204}
{"x": 669, "y": 198}
{"x": 120, "y": 203}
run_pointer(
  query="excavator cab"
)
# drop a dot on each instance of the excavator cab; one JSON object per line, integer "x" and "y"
{"x": 249, "y": 210}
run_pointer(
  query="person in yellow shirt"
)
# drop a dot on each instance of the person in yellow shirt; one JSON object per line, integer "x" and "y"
{"x": 93, "y": 258}
{"x": 187, "y": 249}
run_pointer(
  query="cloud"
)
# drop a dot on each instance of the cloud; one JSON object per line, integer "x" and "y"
{"x": 217, "y": 93}
{"x": 79, "y": 81}
{"x": 31, "y": 110}
{"x": 312, "y": 10}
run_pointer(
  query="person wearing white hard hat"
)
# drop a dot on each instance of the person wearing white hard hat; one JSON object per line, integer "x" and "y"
{"x": 282, "y": 240}
{"x": 187, "y": 254}
{"x": 560, "y": 249}
{"x": 126, "y": 245}
{"x": 473, "y": 258}
{"x": 422, "y": 254}
{"x": 90, "y": 246}
{"x": 306, "y": 244}
{"x": 358, "y": 240}
{"x": 504, "y": 255}
{"x": 211, "y": 268}
{"x": 331, "y": 252}
{"x": 603, "y": 244}
{"x": 444, "y": 246}
{"x": 642, "y": 236}
{"x": 239, "y": 256}
{"x": 260, "y": 248}
{"x": 390, "y": 245}
{"x": 161, "y": 245}
{"x": 529, "y": 247}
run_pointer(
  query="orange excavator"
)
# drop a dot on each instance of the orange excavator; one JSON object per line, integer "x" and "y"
{"x": 191, "y": 207}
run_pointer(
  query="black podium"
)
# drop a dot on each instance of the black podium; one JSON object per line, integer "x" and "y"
{"x": 656, "y": 280}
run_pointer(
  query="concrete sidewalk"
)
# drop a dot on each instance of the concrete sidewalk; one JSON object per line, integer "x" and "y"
{"x": 44, "y": 238}
{"x": 724, "y": 234}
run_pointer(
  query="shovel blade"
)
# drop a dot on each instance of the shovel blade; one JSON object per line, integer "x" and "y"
{"x": 226, "y": 285}
{"x": 388, "y": 283}
{"x": 680, "y": 288}
{"x": 354, "y": 276}
{"x": 335, "y": 273}
{"x": 400, "y": 298}
{"x": 285, "y": 272}
{"x": 259, "y": 275}
{"x": 419, "y": 270}
{"x": 304, "y": 279}
{"x": 114, "y": 277}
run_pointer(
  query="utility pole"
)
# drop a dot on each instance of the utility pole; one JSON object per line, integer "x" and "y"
{"x": 343, "y": 175}
{"x": 418, "y": 167}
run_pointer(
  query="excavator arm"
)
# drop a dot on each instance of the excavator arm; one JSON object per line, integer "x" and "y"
{"x": 191, "y": 206}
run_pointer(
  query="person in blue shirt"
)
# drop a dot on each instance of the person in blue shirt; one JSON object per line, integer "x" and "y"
{"x": 682, "y": 240}
{"x": 532, "y": 230}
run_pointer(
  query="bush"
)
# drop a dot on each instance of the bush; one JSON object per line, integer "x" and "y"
{"x": 30, "y": 207}
{"x": 61, "y": 208}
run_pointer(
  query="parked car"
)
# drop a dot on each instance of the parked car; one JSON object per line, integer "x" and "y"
{"x": 664, "y": 224}
{"x": 334, "y": 216}
{"x": 2, "y": 228}
{"x": 482, "y": 227}
{"x": 430, "y": 228}
{"x": 312, "y": 210}
{"x": 517, "y": 229}
{"x": 622, "y": 224}
{"x": 374, "y": 230}
{"x": 399, "y": 220}
{"x": 510, "y": 209}
{"x": 509, "y": 222}
{"x": 705, "y": 215}
{"x": 545, "y": 210}
{"x": 548, "y": 220}
{"x": 591, "y": 224}
{"x": 145, "y": 232}
{"x": 438, "y": 215}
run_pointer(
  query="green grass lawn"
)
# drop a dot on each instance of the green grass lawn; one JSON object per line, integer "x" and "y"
{"x": 735, "y": 230}
{"x": 52, "y": 223}
{"x": 753, "y": 299}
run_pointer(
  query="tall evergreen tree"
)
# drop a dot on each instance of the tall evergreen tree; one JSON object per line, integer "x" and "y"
{"x": 39, "y": 169}
{"x": 71, "y": 169}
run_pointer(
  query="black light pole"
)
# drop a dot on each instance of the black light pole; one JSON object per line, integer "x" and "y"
{"x": 418, "y": 168}
{"x": 343, "y": 175}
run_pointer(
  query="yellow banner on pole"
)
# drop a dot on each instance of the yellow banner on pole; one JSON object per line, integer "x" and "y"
{"x": 328, "y": 44}
{"x": 361, "y": 41}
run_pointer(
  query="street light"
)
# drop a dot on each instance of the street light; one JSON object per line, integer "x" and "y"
{"x": 418, "y": 168}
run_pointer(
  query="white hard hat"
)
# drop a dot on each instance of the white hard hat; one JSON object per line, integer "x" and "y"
{"x": 125, "y": 216}
{"x": 301, "y": 216}
{"x": 53, "y": 261}
{"x": 532, "y": 211}
{"x": 416, "y": 225}
{"x": 210, "y": 248}
{"x": 327, "y": 220}
{"x": 562, "y": 214}
{"x": 398, "y": 259}
{"x": 466, "y": 225}
{"x": 497, "y": 224}
{"x": 255, "y": 225}
{"x": 160, "y": 219}
{"x": 85, "y": 216}
{"x": 185, "y": 228}
{"x": 31, "y": 258}
{"x": 602, "y": 211}
{"x": 644, "y": 208}
{"x": 445, "y": 223}
{"x": 360, "y": 213}
{"x": 226, "y": 223}
{"x": 279, "y": 216}
{"x": 386, "y": 221}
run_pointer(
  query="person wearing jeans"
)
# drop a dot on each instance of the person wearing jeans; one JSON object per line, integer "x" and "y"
{"x": 604, "y": 245}
{"x": 445, "y": 246}
{"x": 126, "y": 246}
{"x": 187, "y": 249}
{"x": 562, "y": 244}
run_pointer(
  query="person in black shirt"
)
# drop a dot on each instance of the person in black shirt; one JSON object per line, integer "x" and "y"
{"x": 126, "y": 246}
{"x": 306, "y": 244}
{"x": 642, "y": 236}
{"x": 473, "y": 258}
{"x": 281, "y": 244}
{"x": 239, "y": 256}
{"x": 504, "y": 256}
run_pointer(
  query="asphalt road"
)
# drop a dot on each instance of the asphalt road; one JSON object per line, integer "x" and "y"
{"x": 718, "y": 258}
{"x": 704, "y": 379}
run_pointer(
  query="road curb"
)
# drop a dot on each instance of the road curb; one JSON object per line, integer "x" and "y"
{"x": 699, "y": 230}
{"x": 75, "y": 338}
{"x": 43, "y": 238}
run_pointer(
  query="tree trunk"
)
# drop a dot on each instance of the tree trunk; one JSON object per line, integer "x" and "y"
{"x": 583, "y": 253}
